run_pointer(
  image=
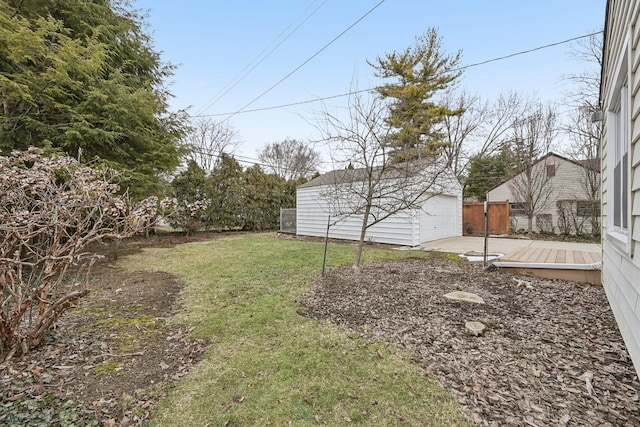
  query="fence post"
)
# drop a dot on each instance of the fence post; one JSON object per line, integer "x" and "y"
{"x": 486, "y": 230}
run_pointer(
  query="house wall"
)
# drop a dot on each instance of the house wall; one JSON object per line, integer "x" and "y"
{"x": 441, "y": 217}
{"x": 621, "y": 262}
{"x": 567, "y": 184}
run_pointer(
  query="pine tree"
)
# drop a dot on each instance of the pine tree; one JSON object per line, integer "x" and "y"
{"x": 82, "y": 77}
{"x": 420, "y": 71}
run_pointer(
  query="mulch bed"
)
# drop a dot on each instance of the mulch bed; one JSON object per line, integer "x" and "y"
{"x": 552, "y": 354}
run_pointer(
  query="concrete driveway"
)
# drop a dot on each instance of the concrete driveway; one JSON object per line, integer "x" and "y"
{"x": 502, "y": 245}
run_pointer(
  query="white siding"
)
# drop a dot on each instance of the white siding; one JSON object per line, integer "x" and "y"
{"x": 621, "y": 264}
{"x": 567, "y": 184}
{"x": 440, "y": 217}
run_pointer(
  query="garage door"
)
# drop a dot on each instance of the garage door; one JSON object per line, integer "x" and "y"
{"x": 439, "y": 218}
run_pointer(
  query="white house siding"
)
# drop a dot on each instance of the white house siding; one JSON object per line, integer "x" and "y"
{"x": 403, "y": 228}
{"x": 621, "y": 262}
{"x": 567, "y": 184}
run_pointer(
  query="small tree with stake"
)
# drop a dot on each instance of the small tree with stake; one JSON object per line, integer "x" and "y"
{"x": 51, "y": 209}
{"x": 375, "y": 187}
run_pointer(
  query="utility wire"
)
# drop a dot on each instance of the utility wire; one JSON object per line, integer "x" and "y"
{"x": 239, "y": 78}
{"x": 309, "y": 101}
{"x": 242, "y": 159}
{"x": 305, "y": 62}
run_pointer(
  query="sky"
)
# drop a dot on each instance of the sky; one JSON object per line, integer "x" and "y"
{"x": 243, "y": 55}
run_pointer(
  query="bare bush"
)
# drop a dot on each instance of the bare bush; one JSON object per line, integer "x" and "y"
{"x": 51, "y": 209}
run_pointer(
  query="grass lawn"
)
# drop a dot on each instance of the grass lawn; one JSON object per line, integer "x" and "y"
{"x": 268, "y": 365}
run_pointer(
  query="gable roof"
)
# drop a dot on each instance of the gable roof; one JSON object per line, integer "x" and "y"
{"x": 340, "y": 176}
{"x": 581, "y": 163}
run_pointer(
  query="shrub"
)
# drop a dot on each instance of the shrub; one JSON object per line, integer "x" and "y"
{"x": 51, "y": 209}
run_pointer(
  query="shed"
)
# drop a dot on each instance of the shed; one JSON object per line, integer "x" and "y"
{"x": 439, "y": 216}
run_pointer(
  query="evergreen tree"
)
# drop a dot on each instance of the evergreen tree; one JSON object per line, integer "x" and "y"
{"x": 265, "y": 195}
{"x": 485, "y": 172}
{"x": 82, "y": 76}
{"x": 420, "y": 71}
{"x": 227, "y": 193}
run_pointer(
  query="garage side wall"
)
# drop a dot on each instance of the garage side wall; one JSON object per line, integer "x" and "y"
{"x": 313, "y": 212}
{"x": 440, "y": 217}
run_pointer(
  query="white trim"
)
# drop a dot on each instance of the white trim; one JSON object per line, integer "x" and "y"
{"x": 618, "y": 236}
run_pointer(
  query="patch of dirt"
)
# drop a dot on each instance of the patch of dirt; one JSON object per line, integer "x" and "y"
{"x": 116, "y": 352}
{"x": 552, "y": 354}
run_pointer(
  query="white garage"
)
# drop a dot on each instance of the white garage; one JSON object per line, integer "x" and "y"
{"x": 439, "y": 217}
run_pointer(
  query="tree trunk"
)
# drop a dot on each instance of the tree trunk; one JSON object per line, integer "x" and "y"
{"x": 530, "y": 224}
{"x": 363, "y": 232}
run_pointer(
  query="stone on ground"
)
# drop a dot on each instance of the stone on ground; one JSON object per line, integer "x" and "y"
{"x": 475, "y": 328}
{"x": 464, "y": 296}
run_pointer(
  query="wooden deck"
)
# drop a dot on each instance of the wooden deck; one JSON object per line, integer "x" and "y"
{"x": 549, "y": 263}
{"x": 552, "y": 256}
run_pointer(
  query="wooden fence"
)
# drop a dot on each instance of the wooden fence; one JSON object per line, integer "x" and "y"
{"x": 473, "y": 217}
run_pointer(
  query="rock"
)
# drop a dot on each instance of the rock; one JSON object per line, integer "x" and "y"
{"x": 464, "y": 296}
{"x": 475, "y": 328}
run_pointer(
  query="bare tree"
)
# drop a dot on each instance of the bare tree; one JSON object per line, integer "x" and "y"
{"x": 290, "y": 159}
{"x": 499, "y": 120}
{"x": 531, "y": 139}
{"x": 481, "y": 130}
{"x": 585, "y": 88}
{"x": 460, "y": 129}
{"x": 583, "y": 129}
{"x": 373, "y": 187}
{"x": 207, "y": 139}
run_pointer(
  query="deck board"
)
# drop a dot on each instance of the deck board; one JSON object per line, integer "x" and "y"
{"x": 545, "y": 256}
{"x": 552, "y": 256}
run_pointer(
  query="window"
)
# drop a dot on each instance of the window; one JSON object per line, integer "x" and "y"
{"x": 620, "y": 151}
{"x": 516, "y": 209}
{"x": 588, "y": 208}
{"x": 551, "y": 171}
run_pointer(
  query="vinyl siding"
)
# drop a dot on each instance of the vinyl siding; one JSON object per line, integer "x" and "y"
{"x": 567, "y": 184}
{"x": 403, "y": 228}
{"x": 621, "y": 264}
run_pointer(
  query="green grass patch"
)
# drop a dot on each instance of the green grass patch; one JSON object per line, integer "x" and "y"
{"x": 268, "y": 365}
{"x": 108, "y": 367}
{"x": 127, "y": 330}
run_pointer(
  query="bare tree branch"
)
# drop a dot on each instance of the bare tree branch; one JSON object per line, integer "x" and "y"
{"x": 290, "y": 159}
{"x": 373, "y": 187}
{"x": 532, "y": 138}
{"x": 207, "y": 140}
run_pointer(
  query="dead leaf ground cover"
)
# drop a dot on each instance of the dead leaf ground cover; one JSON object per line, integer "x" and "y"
{"x": 110, "y": 360}
{"x": 552, "y": 354}
{"x": 116, "y": 357}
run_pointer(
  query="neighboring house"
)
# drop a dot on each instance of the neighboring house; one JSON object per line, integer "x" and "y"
{"x": 440, "y": 215}
{"x": 562, "y": 194}
{"x": 620, "y": 103}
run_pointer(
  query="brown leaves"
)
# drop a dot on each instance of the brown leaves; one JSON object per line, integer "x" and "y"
{"x": 552, "y": 356}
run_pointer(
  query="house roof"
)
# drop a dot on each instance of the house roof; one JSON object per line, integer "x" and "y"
{"x": 582, "y": 163}
{"x": 341, "y": 176}
{"x": 605, "y": 40}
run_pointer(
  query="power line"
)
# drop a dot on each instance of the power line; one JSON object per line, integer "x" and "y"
{"x": 307, "y": 61}
{"x": 523, "y": 52}
{"x": 310, "y": 101}
{"x": 239, "y": 78}
{"x": 241, "y": 159}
